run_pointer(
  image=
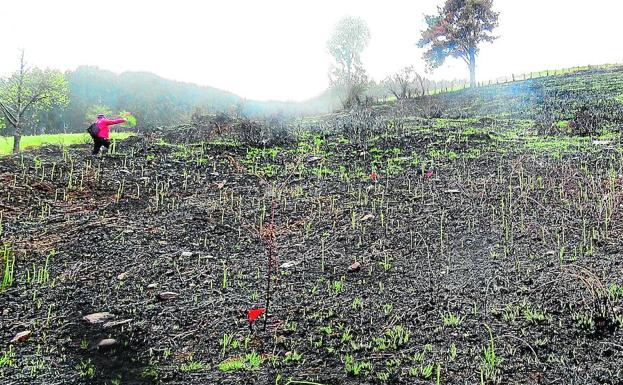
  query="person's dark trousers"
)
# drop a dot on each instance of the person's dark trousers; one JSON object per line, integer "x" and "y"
{"x": 98, "y": 143}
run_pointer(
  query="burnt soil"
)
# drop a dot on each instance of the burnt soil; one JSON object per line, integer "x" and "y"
{"x": 520, "y": 242}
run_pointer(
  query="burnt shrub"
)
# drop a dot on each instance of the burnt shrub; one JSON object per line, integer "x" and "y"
{"x": 591, "y": 117}
{"x": 429, "y": 108}
{"x": 265, "y": 133}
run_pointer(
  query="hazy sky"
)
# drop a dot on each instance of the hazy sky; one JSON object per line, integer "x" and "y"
{"x": 276, "y": 49}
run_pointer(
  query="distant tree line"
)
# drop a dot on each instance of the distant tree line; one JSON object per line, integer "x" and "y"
{"x": 151, "y": 100}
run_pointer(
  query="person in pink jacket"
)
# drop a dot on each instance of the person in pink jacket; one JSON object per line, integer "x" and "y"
{"x": 103, "y": 133}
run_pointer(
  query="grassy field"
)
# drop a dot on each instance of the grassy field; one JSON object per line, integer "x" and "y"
{"x": 34, "y": 141}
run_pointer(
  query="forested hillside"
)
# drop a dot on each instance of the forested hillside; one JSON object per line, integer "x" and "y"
{"x": 150, "y": 98}
{"x": 153, "y": 100}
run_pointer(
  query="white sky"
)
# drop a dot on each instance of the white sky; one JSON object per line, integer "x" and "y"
{"x": 276, "y": 49}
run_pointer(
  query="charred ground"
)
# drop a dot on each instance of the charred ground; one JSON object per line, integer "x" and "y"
{"x": 488, "y": 253}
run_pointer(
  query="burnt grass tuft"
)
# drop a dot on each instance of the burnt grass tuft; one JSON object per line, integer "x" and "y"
{"x": 488, "y": 254}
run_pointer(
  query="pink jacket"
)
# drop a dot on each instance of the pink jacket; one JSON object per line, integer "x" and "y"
{"x": 104, "y": 124}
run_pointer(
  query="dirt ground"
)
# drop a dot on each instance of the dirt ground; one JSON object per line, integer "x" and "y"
{"x": 484, "y": 257}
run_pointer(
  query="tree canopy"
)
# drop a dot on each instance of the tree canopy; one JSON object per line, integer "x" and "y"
{"x": 457, "y": 30}
{"x": 350, "y": 38}
{"x": 30, "y": 89}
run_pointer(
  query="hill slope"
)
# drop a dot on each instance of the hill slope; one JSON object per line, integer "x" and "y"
{"x": 485, "y": 254}
{"x": 546, "y": 100}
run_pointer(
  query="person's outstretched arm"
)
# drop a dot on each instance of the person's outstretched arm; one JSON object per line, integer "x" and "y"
{"x": 114, "y": 121}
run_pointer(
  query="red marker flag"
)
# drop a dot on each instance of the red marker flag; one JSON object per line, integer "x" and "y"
{"x": 254, "y": 313}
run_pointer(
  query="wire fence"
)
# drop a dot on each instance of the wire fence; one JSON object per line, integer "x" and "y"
{"x": 461, "y": 85}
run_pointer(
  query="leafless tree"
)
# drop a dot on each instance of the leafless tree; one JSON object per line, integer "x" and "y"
{"x": 406, "y": 84}
{"x": 30, "y": 88}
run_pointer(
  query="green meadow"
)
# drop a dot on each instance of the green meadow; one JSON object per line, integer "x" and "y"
{"x": 35, "y": 141}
